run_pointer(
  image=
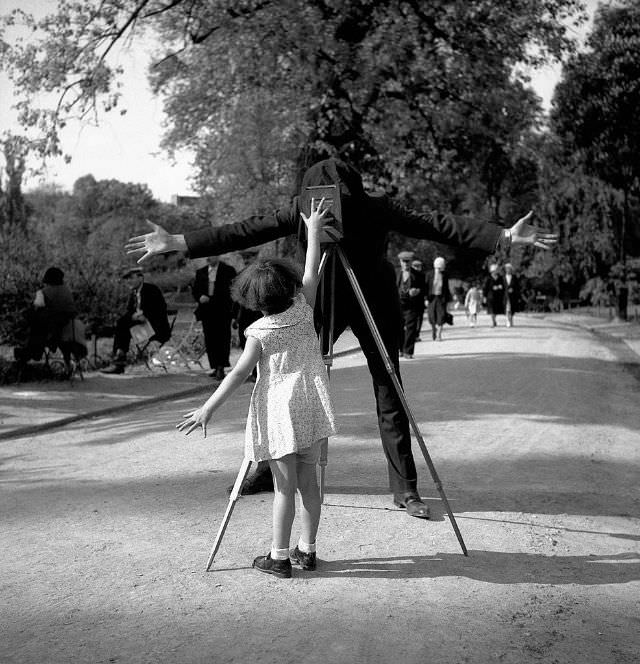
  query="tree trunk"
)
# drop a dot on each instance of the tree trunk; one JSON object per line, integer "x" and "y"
{"x": 622, "y": 299}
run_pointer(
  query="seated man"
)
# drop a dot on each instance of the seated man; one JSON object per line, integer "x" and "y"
{"x": 146, "y": 305}
{"x": 53, "y": 308}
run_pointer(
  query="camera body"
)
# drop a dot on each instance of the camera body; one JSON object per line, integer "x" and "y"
{"x": 311, "y": 196}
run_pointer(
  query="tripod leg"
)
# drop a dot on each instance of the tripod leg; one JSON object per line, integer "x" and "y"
{"x": 327, "y": 342}
{"x": 405, "y": 404}
{"x": 233, "y": 498}
{"x": 324, "y": 453}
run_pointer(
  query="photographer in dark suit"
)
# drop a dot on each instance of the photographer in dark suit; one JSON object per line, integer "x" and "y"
{"x": 212, "y": 291}
{"x": 367, "y": 220}
{"x": 145, "y": 306}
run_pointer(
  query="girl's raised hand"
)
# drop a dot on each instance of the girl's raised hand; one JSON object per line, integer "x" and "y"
{"x": 193, "y": 420}
{"x": 314, "y": 221}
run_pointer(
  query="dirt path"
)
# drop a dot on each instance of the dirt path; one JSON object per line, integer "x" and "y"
{"x": 534, "y": 431}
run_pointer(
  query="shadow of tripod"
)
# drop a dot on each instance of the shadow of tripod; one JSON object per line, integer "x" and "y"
{"x": 331, "y": 254}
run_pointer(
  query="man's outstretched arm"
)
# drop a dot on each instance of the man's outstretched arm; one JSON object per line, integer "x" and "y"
{"x": 213, "y": 240}
{"x": 158, "y": 241}
{"x": 463, "y": 232}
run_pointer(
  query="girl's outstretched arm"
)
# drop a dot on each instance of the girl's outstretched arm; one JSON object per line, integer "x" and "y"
{"x": 240, "y": 372}
{"x": 314, "y": 223}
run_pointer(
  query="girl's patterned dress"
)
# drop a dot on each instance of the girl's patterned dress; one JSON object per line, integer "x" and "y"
{"x": 290, "y": 407}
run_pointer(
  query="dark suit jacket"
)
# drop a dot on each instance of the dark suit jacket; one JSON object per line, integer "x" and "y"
{"x": 367, "y": 221}
{"x": 220, "y": 303}
{"x": 416, "y": 280}
{"x": 154, "y": 308}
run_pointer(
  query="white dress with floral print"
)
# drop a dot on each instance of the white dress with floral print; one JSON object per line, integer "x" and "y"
{"x": 290, "y": 406}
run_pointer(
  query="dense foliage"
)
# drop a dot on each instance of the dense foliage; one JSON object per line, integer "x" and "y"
{"x": 428, "y": 100}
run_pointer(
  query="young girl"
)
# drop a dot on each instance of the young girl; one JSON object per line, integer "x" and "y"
{"x": 290, "y": 411}
{"x": 472, "y": 304}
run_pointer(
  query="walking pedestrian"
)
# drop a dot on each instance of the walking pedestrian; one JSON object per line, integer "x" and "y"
{"x": 472, "y": 304}
{"x": 411, "y": 290}
{"x": 418, "y": 266}
{"x": 290, "y": 413}
{"x": 511, "y": 293}
{"x": 438, "y": 296}
{"x": 493, "y": 293}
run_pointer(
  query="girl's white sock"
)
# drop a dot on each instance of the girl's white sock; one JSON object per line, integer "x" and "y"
{"x": 279, "y": 554}
{"x": 305, "y": 547}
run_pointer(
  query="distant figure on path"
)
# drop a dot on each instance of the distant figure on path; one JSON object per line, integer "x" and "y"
{"x": 418, "y": 266}
{"x": 511, "y": 293}
{"x": 493, "y": 293}
{"x": 410, "y": 284}
{"x": 438, "y": 296}
{"x": 472, "y": 304}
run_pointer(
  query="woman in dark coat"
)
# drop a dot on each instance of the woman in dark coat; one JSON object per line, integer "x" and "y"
{"x": 493, "y": 293}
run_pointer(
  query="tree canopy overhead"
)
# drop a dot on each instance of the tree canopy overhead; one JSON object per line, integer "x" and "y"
{"x": 395, "y": 86}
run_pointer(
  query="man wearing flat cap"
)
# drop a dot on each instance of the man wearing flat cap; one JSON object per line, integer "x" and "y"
{"x": 410, "y": 284}
{"x": 146, "y": 305}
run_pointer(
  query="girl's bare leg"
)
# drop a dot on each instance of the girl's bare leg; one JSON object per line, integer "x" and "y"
{"x": 284, "y": 500}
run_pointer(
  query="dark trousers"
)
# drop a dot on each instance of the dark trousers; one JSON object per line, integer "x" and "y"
{"x": 410, "y": 329}
{"x": 122, "y": 336}
{"x": 393, "y": 422}
{"x": 216, "y": 329}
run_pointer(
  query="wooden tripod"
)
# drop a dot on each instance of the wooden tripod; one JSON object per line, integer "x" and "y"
{"x": 331, "y": 253}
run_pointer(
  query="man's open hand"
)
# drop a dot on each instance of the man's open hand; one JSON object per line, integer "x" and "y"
{"x": 524, "y": 233}
{"x": 150, "y": 244}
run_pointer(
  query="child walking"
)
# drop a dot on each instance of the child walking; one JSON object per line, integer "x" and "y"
{"x": 290, "y": 413}
{"x": 472, "y": 304}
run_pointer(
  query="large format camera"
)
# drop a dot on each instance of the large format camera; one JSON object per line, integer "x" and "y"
{"x": 311, "y": 196}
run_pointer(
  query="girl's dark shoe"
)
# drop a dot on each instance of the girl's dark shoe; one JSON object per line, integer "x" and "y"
{"x": 306, "y": 560}
{"x": 279, "y": 568}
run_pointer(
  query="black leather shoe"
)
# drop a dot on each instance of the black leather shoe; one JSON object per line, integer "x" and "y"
{"x": 113, "y": 369}
{"x": 256, "y": 483}
{"x": 279, "y": 568}
{"x": 306, "y": 560}
{"x": 413, "y": 504}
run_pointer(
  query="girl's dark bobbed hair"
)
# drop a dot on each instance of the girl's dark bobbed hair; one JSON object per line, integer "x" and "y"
{"x": 268, "y": 285}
